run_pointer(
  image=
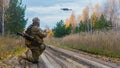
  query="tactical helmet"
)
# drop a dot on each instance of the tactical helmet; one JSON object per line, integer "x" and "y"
{"x": 36, "y": 19}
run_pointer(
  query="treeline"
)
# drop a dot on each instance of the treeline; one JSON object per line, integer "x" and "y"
{"x": 14, "y": 16}
{"x": 94, "y": 18}
{"x": 88, "y": 26}
{"x": 101, "y": 23}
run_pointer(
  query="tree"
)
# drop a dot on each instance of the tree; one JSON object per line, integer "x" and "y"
{"x": 3, "y": 5}
{"x": 93, "y": 19}
{"x": 14, "y": 17}
{"x": 60, "y": 30}
{"x": 111, "y": 10}
{"x": 102, "y": 23}
{"x": 71, "y": 22}
{"x": 96, "y": 10}
{"x": 85, "y": 14}
{"x": 50, "y": 34}
{"x": 80, "y": 27}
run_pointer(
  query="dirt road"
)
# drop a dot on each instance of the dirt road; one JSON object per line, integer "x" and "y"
{"x": 59, "y": 58}
{"x": 54, "y": 57}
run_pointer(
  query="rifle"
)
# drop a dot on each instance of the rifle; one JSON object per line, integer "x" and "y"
{"x": 27, "y": 37}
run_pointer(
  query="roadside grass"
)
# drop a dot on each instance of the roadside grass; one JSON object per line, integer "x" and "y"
{"x": 10, "y": 46}
{"x": 99, "y": 43}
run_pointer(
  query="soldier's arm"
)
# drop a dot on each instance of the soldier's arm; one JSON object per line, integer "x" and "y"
{"x": 41, "y": 33}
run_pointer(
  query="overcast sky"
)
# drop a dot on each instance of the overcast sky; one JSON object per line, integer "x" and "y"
{"x": 49, "y": 10}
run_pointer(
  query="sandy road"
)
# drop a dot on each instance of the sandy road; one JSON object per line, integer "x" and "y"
{"x": 59, "y": 58}
{"x": 54, "y": 57}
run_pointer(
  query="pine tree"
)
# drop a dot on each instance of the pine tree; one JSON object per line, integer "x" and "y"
{"x": 103, "y": 23}
{"x": 14, "y": 17}
{"x": 61, "y": 30}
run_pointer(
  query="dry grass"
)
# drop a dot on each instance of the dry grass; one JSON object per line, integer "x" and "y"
{"x": 103, "y": 43}
{"x": 10, "y": 46}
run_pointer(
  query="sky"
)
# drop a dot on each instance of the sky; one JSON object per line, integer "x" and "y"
{"x": 49, "y": 11}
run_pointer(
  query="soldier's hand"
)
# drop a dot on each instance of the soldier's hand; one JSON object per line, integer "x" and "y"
{"x": 46, "y": 30}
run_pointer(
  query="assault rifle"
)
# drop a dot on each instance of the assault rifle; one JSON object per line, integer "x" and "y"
{"x": 27, "y": 37}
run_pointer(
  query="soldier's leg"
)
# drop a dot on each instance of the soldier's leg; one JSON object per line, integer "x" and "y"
{"x": 37, "y": 52}
{"x": 35, "y": 55}
{"x": 27, "y": 55}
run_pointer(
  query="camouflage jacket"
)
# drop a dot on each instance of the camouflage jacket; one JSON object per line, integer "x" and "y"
{"x": 35, "y": 32}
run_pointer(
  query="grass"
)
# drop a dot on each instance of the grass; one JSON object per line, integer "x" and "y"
{"x": 10, "y": 46}
{"x": 99, "y": 43}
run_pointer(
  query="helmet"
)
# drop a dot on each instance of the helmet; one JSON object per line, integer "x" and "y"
{"x": 36, "y": 19}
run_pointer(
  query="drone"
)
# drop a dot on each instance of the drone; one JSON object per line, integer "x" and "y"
{"x": 66, "y": 9}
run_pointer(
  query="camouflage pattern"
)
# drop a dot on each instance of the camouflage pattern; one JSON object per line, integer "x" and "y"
{"x": 33, "y": 52}
{"x": 35, "y": 32}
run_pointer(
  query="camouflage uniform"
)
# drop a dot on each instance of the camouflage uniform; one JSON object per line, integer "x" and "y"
{"x": 34, "y": 51}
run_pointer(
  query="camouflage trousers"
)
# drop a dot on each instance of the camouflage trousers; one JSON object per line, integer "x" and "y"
{"x": 32, "y": 53}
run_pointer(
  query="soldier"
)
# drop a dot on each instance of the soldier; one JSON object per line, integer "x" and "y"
{"x": 36, "y": 50}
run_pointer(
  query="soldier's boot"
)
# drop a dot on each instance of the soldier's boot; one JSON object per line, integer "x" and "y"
{"x": 24, "y": 62}
{"x": 27, "y": 64}
{"x": 38, "y": 65}
{"x": 21, "y": 62}
{"x": 25, "y": 59}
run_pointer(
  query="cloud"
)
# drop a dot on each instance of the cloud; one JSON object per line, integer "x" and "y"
{"x": 51, "y": 14}
{"x": 43, "y": 10}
